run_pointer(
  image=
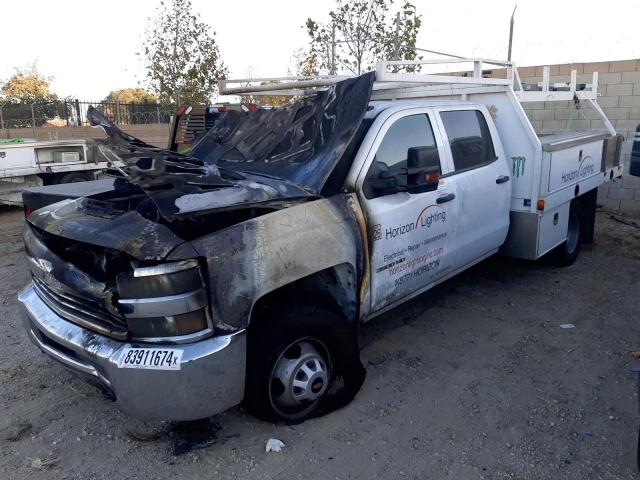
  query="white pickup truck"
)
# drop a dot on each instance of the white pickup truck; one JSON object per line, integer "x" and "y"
{"x": 240, "y": 272}
{"x": 29, "y": 163}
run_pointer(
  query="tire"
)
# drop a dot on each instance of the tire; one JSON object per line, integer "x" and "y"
{"x": 74, "y": 177}
{"x": 307, "y": 345}
{"x": 566, "y": 253}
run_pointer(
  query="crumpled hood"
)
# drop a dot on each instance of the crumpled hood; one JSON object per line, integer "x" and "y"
{"x": 247, "y": 158}
{"x": 83, "y": 220}
{"x": 180, "y": 185}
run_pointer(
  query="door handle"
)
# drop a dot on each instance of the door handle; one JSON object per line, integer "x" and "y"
{"x": 445, "y": 198}
{"x": 502, "y": 179}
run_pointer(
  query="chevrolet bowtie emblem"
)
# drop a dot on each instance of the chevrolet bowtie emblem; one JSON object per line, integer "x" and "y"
{"x": 42, "y": 264}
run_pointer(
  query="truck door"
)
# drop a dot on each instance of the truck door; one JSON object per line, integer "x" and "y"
{"x": 412, "y": 234}
{"x": 483, "y": 184}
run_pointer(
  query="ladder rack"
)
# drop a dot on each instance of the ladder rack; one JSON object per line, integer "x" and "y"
{"x": 390, "y": 83}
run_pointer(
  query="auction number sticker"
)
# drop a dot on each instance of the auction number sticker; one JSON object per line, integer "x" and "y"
{"x": 151, "y": 358}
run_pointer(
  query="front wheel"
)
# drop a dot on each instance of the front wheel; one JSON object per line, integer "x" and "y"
{"x": 300, "y": 378}
{"x": 293, "y": 360}
{"x": 566, "y": 253}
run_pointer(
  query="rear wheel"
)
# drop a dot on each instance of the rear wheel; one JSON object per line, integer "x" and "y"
{"x": 74, "y": 177}
{"x": 566, "y": 253}
{"x": 293, "y": 358}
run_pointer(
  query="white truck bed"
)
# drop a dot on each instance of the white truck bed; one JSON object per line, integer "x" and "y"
{"x": 34, "y": 163}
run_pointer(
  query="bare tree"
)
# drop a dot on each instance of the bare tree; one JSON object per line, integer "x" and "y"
{"x": 360, "y": 31}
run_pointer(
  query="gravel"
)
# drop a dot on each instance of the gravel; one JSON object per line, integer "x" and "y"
{"x": 474, "y": 379}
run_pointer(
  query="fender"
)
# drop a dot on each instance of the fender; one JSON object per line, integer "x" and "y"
{"x": 253, "y": 258}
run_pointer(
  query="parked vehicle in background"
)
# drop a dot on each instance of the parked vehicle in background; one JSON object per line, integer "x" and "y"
{"x": 189, "y": 122}
{"x": 27, "y": 163}
{"x": 242, "y": 271}
{"x": 634, "y": 167}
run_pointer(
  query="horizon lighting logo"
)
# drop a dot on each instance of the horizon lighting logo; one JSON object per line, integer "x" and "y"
{"x": 426, "y": 218}
{"x": 581, "y": 172}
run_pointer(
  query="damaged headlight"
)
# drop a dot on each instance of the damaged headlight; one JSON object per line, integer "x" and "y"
{"x": 166, "y": 300}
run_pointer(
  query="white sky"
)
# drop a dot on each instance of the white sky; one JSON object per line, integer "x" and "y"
{"x": 89, "y": 46}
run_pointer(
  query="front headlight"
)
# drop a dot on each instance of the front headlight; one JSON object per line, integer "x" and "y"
{"x": 166, "y": 300}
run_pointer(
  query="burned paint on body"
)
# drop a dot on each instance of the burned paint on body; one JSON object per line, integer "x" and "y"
{"x": 272, "y": 165}
{"x": 256, "y": 257}
{"x": 128, "y": 232}
{"x": 244, "y": 262}
{"x": 49, "y": 267}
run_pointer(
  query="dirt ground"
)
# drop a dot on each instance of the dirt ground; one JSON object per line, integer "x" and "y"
{"x": 472, "y": 380}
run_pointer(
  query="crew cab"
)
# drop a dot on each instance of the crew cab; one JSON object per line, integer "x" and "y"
{"x": 240, "y": 270}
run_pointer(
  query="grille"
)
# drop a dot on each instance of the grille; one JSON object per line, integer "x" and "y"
{"x": 81, "y": 312}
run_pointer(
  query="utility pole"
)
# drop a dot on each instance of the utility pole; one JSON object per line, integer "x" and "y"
{"x": 396, "y": 43}
{"x": 76, "y": 104}
{"x": 33, "y": 121}
{"x": 333, "y": 50}
{"x": 118, "y": 120}
{"x": 511, "y": 33}
{"x": 396, "y": 40}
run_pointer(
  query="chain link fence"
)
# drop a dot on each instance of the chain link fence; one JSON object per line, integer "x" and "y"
{"x": 73, "y": 113}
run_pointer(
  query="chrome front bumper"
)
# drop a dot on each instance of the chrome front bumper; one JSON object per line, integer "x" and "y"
{"x": 210, "y": 379}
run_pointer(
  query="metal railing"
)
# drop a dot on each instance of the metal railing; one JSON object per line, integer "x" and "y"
{"x": 73, "y": 113}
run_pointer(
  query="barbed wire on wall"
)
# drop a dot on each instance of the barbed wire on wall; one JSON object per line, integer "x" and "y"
{"x": 73, "y": 113}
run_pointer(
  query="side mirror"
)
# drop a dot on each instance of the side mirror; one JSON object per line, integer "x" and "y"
{"x": 388, "y": 182}
{"x": 423, "y": 169}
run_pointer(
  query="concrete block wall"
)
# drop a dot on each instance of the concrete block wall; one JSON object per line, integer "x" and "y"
{"x": 154, "y": 134}
{"x": 619, "y": 86}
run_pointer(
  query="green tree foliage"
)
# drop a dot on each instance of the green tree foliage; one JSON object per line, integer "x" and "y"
{"x": 182, "y": 57}
{"x": 131, "y": 95}
{"x": 364, "y": 31}
{"x": 28, "y": 85}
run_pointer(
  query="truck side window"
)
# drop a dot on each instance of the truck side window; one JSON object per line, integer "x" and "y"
{"x": 469, "y": 138}
{"x": 405, "y": 133}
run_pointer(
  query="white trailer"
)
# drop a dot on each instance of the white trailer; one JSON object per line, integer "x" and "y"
{"x": 30, "y": 163}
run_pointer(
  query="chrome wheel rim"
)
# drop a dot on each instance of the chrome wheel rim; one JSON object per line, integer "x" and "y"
{"x": 299, "y": 379}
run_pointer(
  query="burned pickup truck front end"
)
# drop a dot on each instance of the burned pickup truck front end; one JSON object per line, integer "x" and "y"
{"x": 139, "y": 329}
{"x": 147, "y": 288}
